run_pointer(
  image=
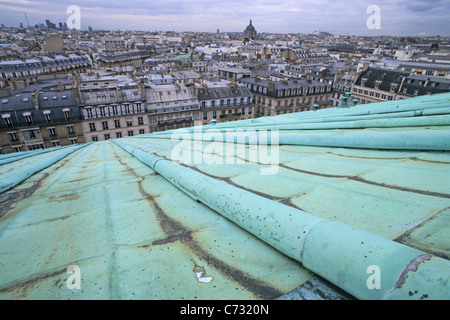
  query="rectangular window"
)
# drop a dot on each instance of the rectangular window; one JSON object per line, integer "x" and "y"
{"x": 130, "y": 133}
{"x": 90, "y": 113}
{"x": 141, "y": 131}
{"x": 119, "y": 135}
{"x": 73, "y": 141}
{"x": 95, "y": 138}
{"x": 141, "y": 120}
{"x": 31, "y": 134}
{"x": 70, "y": 129}
{"x": 129, "y": 123}
{"x": 105, "y": 125}
{"x": 28, "y": 120}
{"x": 48, "y": 117}
{"x": 67, "y": 115}
{"x": 55, "y": 143}
{"x": 13, "y": 136}
{"x": 107, "y": 137}
{"x": 117, "y": 123}
{"x": 92, "y": 127}
{"x": 52, "y": 131}
{"x": 102, "y": 112}
{"x": 8, "y": 122}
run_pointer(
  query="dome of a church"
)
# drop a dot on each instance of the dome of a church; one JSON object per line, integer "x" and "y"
{"x": 250, "y": 27}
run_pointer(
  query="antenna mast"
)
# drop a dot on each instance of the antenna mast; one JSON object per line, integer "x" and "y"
{"x": 28, "y": 23}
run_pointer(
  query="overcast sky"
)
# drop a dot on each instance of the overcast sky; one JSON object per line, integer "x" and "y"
{"x": 397, "y": 18}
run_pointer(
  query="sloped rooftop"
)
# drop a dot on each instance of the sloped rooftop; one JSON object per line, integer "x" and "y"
{"x": 171, "y": 215}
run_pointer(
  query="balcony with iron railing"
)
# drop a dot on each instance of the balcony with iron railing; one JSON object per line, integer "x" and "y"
{"x": 174, "y": 121}
{"x": 231, "y": 115}
{"x": 174, "y": 109}
{"x": 227, "y": 106}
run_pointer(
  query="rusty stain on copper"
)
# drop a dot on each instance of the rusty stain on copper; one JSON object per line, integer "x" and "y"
{"x": 411, "y": 267}
{"x": 172, "y": 228}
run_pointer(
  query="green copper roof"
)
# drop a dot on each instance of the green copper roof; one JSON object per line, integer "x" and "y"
{"x": 353, "y": 190}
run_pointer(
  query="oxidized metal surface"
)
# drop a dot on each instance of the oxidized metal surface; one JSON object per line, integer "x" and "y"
{"x": 133, "y": 235}
{"x": 145, "y": 234}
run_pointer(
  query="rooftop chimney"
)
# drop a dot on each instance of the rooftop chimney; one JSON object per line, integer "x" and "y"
{"x": 35, "y": 96}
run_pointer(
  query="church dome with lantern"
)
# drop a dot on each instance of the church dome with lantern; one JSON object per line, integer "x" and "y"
{"x": 249, "y": 32}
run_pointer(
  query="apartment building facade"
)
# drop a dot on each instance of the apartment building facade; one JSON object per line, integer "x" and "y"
{"x": 113, "y": 112}
{"x": 123, "y": 59}
{"x": 287, "y": 96}
{"x": 375, "y": 85}
{"x": 171, "y": 106}
{"x": 225, "y": 102}
{"x": 39, "y": 120}
{"x": 20, "y": 74}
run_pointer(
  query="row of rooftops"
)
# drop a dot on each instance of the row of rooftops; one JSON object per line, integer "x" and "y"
{"x": 37, "y": 103}
{"x": 18, "y": 65}
{"x": 404, "y": 82}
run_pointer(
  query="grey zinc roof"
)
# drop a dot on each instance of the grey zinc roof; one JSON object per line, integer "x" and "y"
{"x": 289, "y": 84}
{"x": 17, "y": 105}
{"x": 168, "y": 93}
{"x": 385, "y": 76}
{"x": 110, "y": 95}
{"x": 225, "y": 92}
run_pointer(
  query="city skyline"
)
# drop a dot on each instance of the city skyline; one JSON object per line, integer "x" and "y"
{"x": 397, "y": 18}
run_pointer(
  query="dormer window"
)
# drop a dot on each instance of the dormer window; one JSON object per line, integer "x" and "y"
{"x": 28, "y": 118}
{"x": 377, "y": 84}
{"x": 66, "y": 114}
{"x": 363, "y": 81}
{"x": 48, "y": 116}
{"x": 393, "y": 87}
{"x": 7, "y": 118}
